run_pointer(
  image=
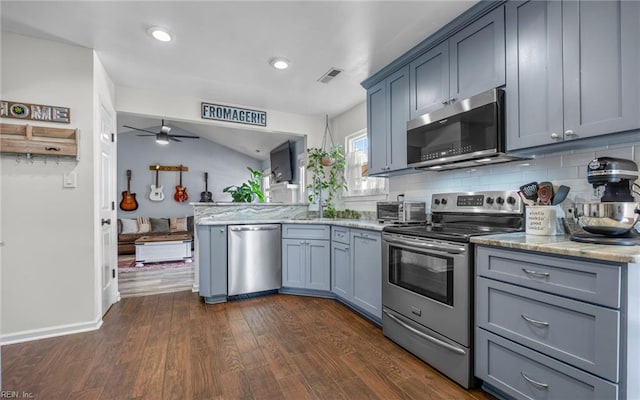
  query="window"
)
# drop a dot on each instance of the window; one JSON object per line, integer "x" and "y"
{"x": 358, "y": 183}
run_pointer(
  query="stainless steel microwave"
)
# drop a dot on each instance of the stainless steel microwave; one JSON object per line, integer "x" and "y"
{"x": 466, "y": 133}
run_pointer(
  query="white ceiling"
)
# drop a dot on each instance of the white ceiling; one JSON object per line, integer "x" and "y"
{"x": 221, "y": 48}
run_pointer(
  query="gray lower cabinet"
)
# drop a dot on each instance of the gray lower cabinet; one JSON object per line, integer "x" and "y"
{"x": 306, "y": 257}
{"x": 470, "y": 62}
{"x": 212, "y": 262}
{"x": 356, "y": 269}
{"x": 550, "y": 327}
{"x": 571, "y": 70}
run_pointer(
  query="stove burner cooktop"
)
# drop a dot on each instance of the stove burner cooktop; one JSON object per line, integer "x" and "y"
{"x": 454, "y": 233}
{"x": 628, "y": 239}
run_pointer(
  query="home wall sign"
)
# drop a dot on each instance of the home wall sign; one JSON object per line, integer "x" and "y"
{"x": 234, "y": 114}
{"x": 35, "y": 112}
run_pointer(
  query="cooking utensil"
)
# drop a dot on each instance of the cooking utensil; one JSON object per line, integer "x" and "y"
{"x": 560, "y": 194}
{"x": 610, "y": 218}
{"x": 526, "y": 201}
{"x": 545, "y": 193}
{"x": 530, "y": 191}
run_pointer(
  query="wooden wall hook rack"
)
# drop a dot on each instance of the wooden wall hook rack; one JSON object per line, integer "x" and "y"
{"x": 169, "y": 168}
{"x": 28, "y": 139}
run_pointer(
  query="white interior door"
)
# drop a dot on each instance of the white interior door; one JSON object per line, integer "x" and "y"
{"x": 108, "y": 220}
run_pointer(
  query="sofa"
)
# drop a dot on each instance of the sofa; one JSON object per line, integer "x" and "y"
{"x": 130, "y": 229}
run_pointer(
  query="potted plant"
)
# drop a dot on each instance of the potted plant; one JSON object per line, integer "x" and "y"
{"x": 248, "y": 191}
{"x": 327, "y": 179}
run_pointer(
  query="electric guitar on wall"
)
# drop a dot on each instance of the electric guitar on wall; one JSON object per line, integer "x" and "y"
{"x": 156, "y": 190}
{"x": 128, "y": 202}
{"x": 206, "y": 196}
{"x": 181, "y": 192}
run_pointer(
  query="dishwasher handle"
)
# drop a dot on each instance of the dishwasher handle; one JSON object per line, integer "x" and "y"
{"x": 239, "y": 228}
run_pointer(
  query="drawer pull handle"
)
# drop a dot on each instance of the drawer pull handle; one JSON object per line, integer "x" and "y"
{"x": 535, "y": 273}
{"x": 536, "y": 383}
{"x": 535, "y": 322}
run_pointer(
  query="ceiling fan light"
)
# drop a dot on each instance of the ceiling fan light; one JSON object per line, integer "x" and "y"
{"x": 160, "y": 34}
{"x": 162, "y": 139}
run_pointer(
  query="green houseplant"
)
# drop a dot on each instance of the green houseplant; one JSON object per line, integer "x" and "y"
{"x": 249, "y": 190}
{"x": 328, "y": 179}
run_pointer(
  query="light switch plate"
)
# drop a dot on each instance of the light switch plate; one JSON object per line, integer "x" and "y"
{"x": 70, "y": 180}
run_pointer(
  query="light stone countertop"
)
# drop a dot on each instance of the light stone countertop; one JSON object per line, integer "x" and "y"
{"x": 561, "y": 245}
{"x": 349, "y": 223}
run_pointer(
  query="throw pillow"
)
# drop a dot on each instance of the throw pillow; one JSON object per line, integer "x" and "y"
{"x": 178, "y": 224}
{"x": 190, "y": 223}
{"x": 159, "y": 225}
{"x": 129, "y": 225}
{"x": 144, "y": 225}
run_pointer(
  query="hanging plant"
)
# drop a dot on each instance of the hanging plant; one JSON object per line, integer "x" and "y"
{"x": 326, "y": 179}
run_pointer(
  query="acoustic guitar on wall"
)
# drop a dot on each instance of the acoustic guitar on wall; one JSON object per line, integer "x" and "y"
{"x": 206, "y": 196}
{"x": 128, "y": 202}
{"x": 156, "y": 193}
{"x": 181, "y": 192}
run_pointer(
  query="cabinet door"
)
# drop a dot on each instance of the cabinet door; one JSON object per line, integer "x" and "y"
{"x": 534, "y": 73}
{"x": 377, "y": 128}
{"x": 477, "y": 56}
{"x": 366, "y": 262}
{"x": 341, "y": 270}
{"x": 293, "y": 263}
{"x": 429, "y": 81}
{"x": 398, "y": 112}
{"x": 601, "y": 67}
{"x": 212, "y": 260}
{"x": 318, "y": 265}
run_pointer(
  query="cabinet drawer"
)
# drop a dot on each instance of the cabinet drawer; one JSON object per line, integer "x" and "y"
{"x": 583, "y": 335}
{"x": 340, "y": 235}
{"x": 525, "y": 374}
{"x": 304, "y": 231}
{"x": 590, "y": 281}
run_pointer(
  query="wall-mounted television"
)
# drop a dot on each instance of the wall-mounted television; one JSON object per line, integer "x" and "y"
{"x": 281, "y": 162}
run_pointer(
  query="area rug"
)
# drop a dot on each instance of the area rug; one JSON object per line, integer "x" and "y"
{"x": 127, "y": 263}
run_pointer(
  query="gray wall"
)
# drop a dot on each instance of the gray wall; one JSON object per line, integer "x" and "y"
{"x": 225, "y": 166}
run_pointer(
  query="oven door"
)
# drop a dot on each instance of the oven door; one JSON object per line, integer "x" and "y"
{"x": 429, "y": 282}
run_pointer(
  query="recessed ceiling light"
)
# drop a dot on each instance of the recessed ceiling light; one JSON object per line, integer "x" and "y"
{"x": 279, "y": 63}
{"x": 159, "y": 33}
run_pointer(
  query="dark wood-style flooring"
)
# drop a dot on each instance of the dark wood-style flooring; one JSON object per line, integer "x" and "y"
{"x": 173, "y": 346}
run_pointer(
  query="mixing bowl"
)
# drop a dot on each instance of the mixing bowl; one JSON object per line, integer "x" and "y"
{"x": 610, "y": 218}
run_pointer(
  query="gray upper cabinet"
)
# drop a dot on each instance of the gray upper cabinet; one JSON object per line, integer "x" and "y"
{"x": 387, "y": 116}
{"x": 570, "y": 70}
{"x": 470, "y": 62}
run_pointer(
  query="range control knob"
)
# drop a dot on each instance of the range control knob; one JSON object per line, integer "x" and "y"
{"x": 511, "y": 200}
{"x": 489, "y": 200}
{"x": 443, "y": 201}
{"x": 500, "y": 200}
{"x": 436, "y": 201}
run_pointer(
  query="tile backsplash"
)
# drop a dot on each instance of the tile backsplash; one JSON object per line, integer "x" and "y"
{"x": 567, "y": 168}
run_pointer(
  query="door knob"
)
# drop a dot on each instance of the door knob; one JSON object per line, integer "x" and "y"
{"x": 106, "y": 221}
{"x": 570, "y": 132}
{"x": 555, "y": 136}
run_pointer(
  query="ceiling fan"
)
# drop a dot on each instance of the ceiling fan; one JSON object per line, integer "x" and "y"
{"x": 163, "y": 136}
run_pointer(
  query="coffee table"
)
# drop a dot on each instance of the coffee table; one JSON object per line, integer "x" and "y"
{"x": 163, "y": 248}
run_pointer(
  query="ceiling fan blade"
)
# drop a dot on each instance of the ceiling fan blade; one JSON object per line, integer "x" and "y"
{"x": 185, "y": 136}
{"x": 174, "y": 139}
{"x": 138, "y": 129}
{"x": 145, "y": 135}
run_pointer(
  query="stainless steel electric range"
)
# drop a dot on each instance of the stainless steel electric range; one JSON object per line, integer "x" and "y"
{"x": 427, "y": 292}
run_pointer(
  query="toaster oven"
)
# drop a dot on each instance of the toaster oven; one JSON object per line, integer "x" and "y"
{"x": 401, "y": 212}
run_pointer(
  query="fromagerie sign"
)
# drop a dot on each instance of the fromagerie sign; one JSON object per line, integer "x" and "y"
{"x": 234, "y": 114}
{"x": 35, "y": 112}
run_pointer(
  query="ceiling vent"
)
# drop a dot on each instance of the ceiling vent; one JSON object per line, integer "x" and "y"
{"x": 329, "y": 75}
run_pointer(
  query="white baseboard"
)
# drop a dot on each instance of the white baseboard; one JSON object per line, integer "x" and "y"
{"x": 44, "y": 333}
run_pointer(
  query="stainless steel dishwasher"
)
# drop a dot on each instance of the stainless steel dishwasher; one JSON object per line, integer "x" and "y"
{"x": 255, "y": 258}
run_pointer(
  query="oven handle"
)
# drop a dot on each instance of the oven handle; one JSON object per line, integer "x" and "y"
{"x": 425, "y": 336}
{"x": 430, "y": 246}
